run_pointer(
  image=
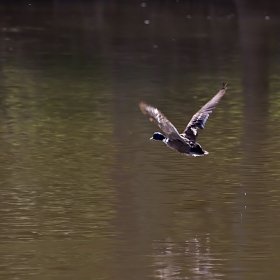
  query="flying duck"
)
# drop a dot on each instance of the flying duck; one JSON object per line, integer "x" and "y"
{"x": 184, "y": 143}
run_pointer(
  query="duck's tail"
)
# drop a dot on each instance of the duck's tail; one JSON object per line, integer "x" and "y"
{"x": 197, "y": 151}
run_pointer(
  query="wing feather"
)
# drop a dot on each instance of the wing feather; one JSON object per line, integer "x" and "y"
{"x": 199, "y": 119}
{"x": 163, "y": 123}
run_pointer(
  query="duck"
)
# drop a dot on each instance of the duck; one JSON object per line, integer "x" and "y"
{"x": 186, "y": 142}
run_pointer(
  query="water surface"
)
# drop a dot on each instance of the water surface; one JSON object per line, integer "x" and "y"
{"x": 85, "y": 194}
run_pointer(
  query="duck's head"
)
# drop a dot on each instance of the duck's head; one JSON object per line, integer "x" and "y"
{"x": 158, "y": 137}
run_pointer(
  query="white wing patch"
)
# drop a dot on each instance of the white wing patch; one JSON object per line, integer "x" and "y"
{"x": 194, "y": 130}
{"x": 204, "y": 117}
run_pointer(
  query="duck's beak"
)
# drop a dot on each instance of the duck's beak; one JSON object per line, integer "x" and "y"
{"x": 151, "y": 138}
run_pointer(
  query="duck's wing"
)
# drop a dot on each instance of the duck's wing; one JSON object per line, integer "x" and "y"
{"x": 199, "y": 119}
{"x": 164, "y": 124}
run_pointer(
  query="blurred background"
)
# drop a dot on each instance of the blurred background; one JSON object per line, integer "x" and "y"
{"x": 84, "y": 194}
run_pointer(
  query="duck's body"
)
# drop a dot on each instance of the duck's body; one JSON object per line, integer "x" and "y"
{"x": 185, "y": 147}
{"x": 184, "y": 143}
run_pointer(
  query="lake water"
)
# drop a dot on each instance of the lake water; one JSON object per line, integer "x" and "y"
{"x": 85, "y": 194}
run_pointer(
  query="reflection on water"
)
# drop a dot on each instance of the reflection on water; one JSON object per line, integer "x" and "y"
{"x": 85, "y": 194}
{"x": 199, "y": 261}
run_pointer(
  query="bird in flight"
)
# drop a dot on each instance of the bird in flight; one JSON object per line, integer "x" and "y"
{"x": 184, "y": 143}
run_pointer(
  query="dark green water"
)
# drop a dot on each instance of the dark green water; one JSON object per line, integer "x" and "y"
{"x": 85, "y": 194}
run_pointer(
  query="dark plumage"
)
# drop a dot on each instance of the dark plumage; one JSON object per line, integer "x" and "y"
{"x": 184, "y": 143}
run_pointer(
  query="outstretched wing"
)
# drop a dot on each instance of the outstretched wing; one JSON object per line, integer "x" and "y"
{"x": 199, "y": 119}
{"x": 164, "y": 124}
